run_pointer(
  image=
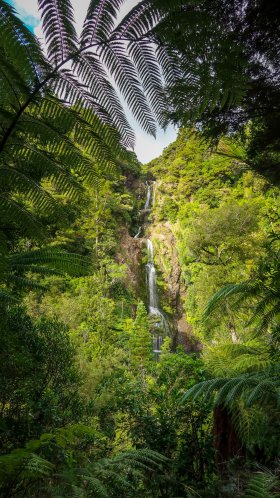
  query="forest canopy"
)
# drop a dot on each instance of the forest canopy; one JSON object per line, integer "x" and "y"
{"x": 140, "y": 303}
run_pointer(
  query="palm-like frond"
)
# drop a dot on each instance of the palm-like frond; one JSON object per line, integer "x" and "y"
{"x": 236, "y": 358}
{"x": 27, "y": 465}
{"x": 42, "y": 138}
{"x": 211, "y": 78}
{"x": 18, "y": 269}
{"x": 261, "y": 387}
{"x": 262, "y": 292}
{"x": 59, "y": 30}
{"x": 119, "y": 473}
{"x": 124, "y": 73}
{"x": 263, "y": 484}
{"x": 52, "y": 258}
{"x": 100, "y": 20}
{"x": 59, "y": 107}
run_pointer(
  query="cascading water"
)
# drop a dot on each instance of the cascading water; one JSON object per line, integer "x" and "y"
{"x": 137, "y": 235}
{"x": 154, "y": 309}
{"x": 154, "y": 306}
{"x": 161, "y": 324}
{"x": 148, "y": 197}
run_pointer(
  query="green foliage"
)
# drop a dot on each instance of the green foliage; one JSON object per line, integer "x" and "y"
{"x": 47, "y": 134}
{"x": 226, "y": 230}
{"x": 140, "y": 341}
{"x": 112, "y": 476}
{"x": 230, "y": 59}
{"x": 253, "y": 388}
{"x": 74, "y": 140}
{"x": 262, "y": 485}
{"x": 224, "y": 216}
{"x": 21, "y": 269}
{"x": 57, "y": 473}
{"x": 39, "y": 378}
{"x": 85, "y": 409}
{"x": 261, "y": 291}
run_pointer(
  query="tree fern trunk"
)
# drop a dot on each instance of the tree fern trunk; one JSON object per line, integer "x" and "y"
{"x": 226, "y": 440}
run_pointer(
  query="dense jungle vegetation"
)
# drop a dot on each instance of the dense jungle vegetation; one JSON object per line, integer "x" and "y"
{"x": 85, "y": 410}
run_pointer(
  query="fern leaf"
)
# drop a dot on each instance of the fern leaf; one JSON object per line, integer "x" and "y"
{"x": 145, "y": 61}
{"x": 58, "y": 27}
{"x": 262, "y": 485}
{"x": 100, "y": 20}
{"x": 253, "y": 388}
{"x": 113, "y": 55}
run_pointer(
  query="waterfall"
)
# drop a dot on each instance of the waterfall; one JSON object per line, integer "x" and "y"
{"x": 138, "y": 233}
{"x": 154, "y": 307}
{"x": 148, "y": 197}
{"x": 161, "y": 322}
{"x": 151, "y": 279}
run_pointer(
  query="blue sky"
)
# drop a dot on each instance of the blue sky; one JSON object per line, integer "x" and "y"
{"x": 27, "y": 11}
{"x": 146, "y": 146}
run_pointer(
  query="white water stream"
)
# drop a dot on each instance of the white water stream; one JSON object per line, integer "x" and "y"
{"x": 138, "y": 233}
{"x": 154, "y": 306}
{"x": 148, "y": 197}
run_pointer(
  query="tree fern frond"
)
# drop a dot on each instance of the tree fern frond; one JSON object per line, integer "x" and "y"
{"x": 58, "y": 260}
{"x": 44, "y": 202}
{"x": 234, "y": 358}
{"x": 94, "y": 485}
{"x": 170, "y": 66}
{"x": 77, "y": 492}
{"x": 205, "y": 388}
{"x": 113, "y": 55}
{"x": 8, "y": 75}
{"x": 145, "y": 455}
{"x": 71, "y": 90}
{"x": 100, "y": 20}
{"x": 145, "y": 61}
{"x": 58, "y": 27}
{"x": 43, "y": 163}
{"x": 21, "y": 283}
{"x": 248, "y": 422}
{"x": 18, "y": 270}
{"x": 21, "y": 47}
{"x": 7, "y": 298}
{"x": 89, "y": 68}
{"x": 17, "y": 216}
{"x": 222, "y": 294}
{"x": 139, "y": 21}
{"x": 262, "y": 485}
{"x": 262, "y": 291}
{"x": 263, "y": 391}
{"x": 36, "y": 269}
{"x": 26, "y": 463}
{"x": 253, "y": 388}
{"x": 119, "y": 473}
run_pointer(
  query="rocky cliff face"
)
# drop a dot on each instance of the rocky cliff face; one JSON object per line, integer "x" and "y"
{"x": 167, "y": 259}
{"x": 173, "y": 288}
{"x": 131, "y": 253}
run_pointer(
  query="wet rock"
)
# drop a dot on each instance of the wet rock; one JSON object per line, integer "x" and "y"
{"x": 168, "y": 262}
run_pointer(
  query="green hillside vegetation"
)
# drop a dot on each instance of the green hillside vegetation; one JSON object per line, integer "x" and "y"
{"x": 225, "y": 218}
{"x": 87, "y": 409}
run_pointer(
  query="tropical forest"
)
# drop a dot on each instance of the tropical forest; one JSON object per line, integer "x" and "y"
{"x": 140, "y": 284}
